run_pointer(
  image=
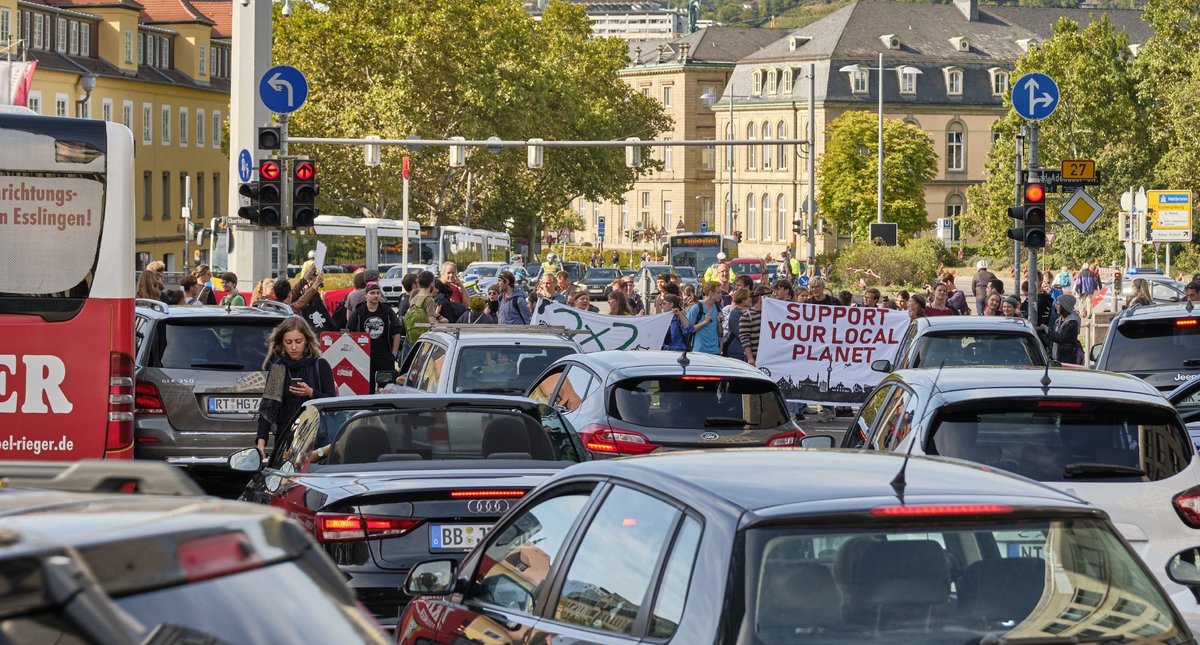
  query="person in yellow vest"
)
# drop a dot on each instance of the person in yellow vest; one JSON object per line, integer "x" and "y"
{"x": 551, "y": 266}
{"x": 713, "y": 274}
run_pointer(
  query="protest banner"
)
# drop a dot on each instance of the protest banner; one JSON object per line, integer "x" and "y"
{"x": 823, "y": 353}
{"x": 601, "y": 331}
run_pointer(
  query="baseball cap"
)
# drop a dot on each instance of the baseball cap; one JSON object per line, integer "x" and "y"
{"x": 312, "y": 254}
{"x": 721, "y": 256}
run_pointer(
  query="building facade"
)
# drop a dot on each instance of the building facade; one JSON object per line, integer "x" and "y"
{"x": 161, "y": 69}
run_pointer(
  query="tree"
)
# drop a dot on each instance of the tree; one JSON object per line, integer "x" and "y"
{"x": 848, "y": 175}
{"x": 470, "y": 68}
{"x": 1168, "y": 75}
{"x": 1099, "y": 116}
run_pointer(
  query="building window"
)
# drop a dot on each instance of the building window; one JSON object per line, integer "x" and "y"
{"x": 127, "y": 114}
{"x": 908, "y": 81}
{"x": 128, "y": 47}
{"x": 141, "y": 47}
{"x": 783, "y": 218}
{"x": 767, "y": 223}
{"x": 60, "y": 104}
{"x": 667, "y": 215}
{"x": 708, "y": 155}
{"x": 147, "y": 194}
{"x": 999, "y": 82}
{"x": 60, "y": 36}
{"x": 38, "y": 35}
{"x": 216, "y": 194}
{"x": 668, "y": 155}
{"x": 203, "y": 59}
{"x": 199, "y": 128}
{"x": 646, "y": 91}
{"x": 164, "y": 53}
{"x": 147, "y": 123}
{"x": 766, "y": 147}
{"x": 183, "y": 190}
{"x": 166, "y": 194}
{"x": 624, "y": 216}
{"x": 954, "y": 81}
{"x": 213, "y": 70}
{"x": 787, "y": 82}
{"x": 74, "y": 38}
{"x": 106, "y": 109}
{"x": 216, "y": 129}
{"x": 183, "y": 126}
{"x": 751, "y": 215}
{"x": 35, "y": 101}
{"x": 954, "y": 208}
{"x": 772, "y": 80}
{"x": 751, "y": 150}
{"x": 85, "y": 39}
{"x": 666, "y": 96}
{"x": 781, "y": 149}
{"x": 995, "y": 137}
{"x": 758, "y": 79}
{"x": 6, "y": 26}
{"x": 859, "y": 80}
{"x": 955, "y": 148}
{"x": 166, "y": 124}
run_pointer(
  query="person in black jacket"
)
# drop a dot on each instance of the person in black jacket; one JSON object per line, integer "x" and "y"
{"x": 295, "y": 373}
{"x": 1065, "y": 334}
{"x": 375, "y": 317}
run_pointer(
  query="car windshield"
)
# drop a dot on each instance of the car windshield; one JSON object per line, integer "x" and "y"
{"x": 214, "y": 345}
{"x": 698, "y": 402}
{"x": 439, "y": 433}
{"x": 999, "y": 581}
{"x": 1142, "y": 346}
{"x": 503, "y": 369}
{"x": 743, "y": 268}
{"x": 658, "y": 269}
{"x": 972, "y": 348}
{"x": 483, "y": 272}
{"x": 602, "y": 274}
{"x": 685, "y": 271}
{"x": 1064, "y": 440}
{"x": 396, "y": 273}
{"x": 573, "y": 270}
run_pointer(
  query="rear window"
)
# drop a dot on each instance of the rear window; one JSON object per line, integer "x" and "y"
{"x": 685, "y": 272}
{"x": 602, "y": 274}
{"x": 428, "y": 434}
{"x": 213, "y": 345}
{"x": 743, "y": 268}
{"x": 503, "y": 370}
{"x": 976, "y": 349}
{"x": 484, "y": 272}
{"x": 1056, "y": 440}
{"x": 698, "y": 402}
{"x": 1153, "y": 345}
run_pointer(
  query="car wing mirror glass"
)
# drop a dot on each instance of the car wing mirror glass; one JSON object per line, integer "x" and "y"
{"x": 882, "y": 365}
{"x": 817, "y": 441}
{"x": 248, "y": 460}
{"x": 1183, "y": 568}
{"x": 1094, "y": 353}
{"x": 432, "y": 578}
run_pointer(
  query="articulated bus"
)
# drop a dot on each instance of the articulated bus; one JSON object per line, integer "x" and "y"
{"x": 698, "y": 250}
{"x": 457, "y": 244}
{"x": 66, "y": 288}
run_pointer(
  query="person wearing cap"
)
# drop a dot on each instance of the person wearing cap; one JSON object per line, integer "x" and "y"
{"x": 714, "y": 272}
{"x": 979, "y": 284}
{"x": 382, "y": 326}
{"x": 1065, "y": 334}
{"x": 308, "y": 264}
{"x": 551, "y": 266}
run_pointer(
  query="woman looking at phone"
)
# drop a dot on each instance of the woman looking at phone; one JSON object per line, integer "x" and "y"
{"x": 295, "y": 373}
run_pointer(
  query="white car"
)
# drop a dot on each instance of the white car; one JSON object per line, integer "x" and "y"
{"x": 390, "y": 282}
{"x": 484, "y": 273}
{"x": 1109, "y": 439}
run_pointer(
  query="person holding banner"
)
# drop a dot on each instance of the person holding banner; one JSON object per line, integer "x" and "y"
{"x": 618, "y": 305}
{"x": 681, "y": 329}
{"x": 750, "y": 324}
{"x": 706, "y": 317}
{"x": 817, "y": 294}
{"x": 732, "y": 346}
{"x": 916, "y": 306}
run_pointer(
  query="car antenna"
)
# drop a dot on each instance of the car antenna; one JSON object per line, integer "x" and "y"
{"x": 1188, "y": 306}
{"x": 1046, "y": 380}
{"x": 899, "y": 483}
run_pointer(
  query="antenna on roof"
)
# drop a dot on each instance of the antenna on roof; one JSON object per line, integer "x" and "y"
{"x": 1046, "y": 380}
{"x": 899, "y": 482}
{"x": 1188, "y": 306}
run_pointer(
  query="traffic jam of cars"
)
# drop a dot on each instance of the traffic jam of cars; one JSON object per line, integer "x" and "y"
{"x": 509, "y": 485}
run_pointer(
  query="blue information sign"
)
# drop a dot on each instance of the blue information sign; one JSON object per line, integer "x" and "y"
{"x": 283, "y": 89}
{"x": 1035, "y": 96}
{"x": 703, "y": 226}
{"x": 245, "y": 165}
{"x": 600, "y": 225}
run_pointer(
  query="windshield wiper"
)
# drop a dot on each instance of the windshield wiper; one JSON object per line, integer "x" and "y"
{"x": 724, "y": 421}
{"x": 1000, "y": 639}
{"x": 491, "y": 390}
{"x": 1191, "y": 362}
{"x": 1101, "y": 470}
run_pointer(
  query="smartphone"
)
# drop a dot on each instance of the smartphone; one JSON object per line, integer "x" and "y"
{"x": 296, "y": 380}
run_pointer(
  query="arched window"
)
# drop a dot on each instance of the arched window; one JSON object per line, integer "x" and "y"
{"x": 956, "y": 147}
{"x": 768, "y": 225}
{"x": 751, "y": 150}
{"x": 766, "y": 147}
{"x": 783, "y": 216}
{"x": 751, "y": 215}
{"x": 781, "y": 149}
{"x": 771, "y": 77}
{"x": 787, "y": 81}
{"x": 758, "y": 81}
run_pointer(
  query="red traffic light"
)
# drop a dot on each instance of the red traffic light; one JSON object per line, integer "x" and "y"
{"x": 268, "y": 170}
{"x": 305, "y": 171}
{"x": 1035, "y": 194}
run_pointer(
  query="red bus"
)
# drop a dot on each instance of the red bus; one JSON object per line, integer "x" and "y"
{"x": 66, "y": 288}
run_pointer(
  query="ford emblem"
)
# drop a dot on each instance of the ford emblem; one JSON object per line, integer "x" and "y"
{"x": 710, "y": 436}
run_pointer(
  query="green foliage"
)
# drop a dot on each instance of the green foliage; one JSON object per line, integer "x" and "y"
{"x": 848, "y": 178}
{"x": 915, "y": 263}
{"x": 470, "y": 68}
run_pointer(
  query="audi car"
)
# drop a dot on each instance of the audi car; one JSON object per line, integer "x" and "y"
{"x": 386, "y": 481}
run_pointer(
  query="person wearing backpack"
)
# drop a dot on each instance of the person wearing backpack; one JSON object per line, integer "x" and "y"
{"x": 1086, "y": 284}
{"x": 382, "y": 325}
{"x": 422, "y": 311}
{"x": 513, "y": 310}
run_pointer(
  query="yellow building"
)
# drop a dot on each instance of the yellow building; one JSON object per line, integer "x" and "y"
{"x": 162, "y": 69}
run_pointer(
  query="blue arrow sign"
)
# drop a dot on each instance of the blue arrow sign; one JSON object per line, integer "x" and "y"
{"x": 245, "y": 165}
{"x": 283, "y": 89}
{"x": 1035, "y": 96}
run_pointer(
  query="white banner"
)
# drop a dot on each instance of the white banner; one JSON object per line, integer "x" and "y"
{"x": 602, "y": 331}
{"x": 822, "y": 353}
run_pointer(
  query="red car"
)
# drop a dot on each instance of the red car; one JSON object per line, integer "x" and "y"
{"x": 753, "y": 267}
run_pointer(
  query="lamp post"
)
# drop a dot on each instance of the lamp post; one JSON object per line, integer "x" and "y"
{"x": 709, "y": 99}
{"x": 903, "y": 69}
{"x": 88, "y": 83}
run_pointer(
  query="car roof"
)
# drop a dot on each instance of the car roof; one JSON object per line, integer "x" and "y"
{"x": 207, "y": 311}
{"x": 653, "y": 361}
{"x": 487, "y": 264}
{"x": 844, "y": 480}
{"x": 1160, "y": 312}
{"x": 413, "y": 401}
{"x": 996, "y": 380}
{"x": 745, "y": 260}
{"x": 974, "y": 323}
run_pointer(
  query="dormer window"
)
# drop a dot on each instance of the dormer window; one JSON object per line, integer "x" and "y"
{"x": 954, "y": 81}
{"x": 757, "y": 82}
{"x": 859, "y": 80}
{"x": 787, "y": 82}
{"x": 908, "y": 80}
{"x": 999, "y": 81}
{"x": 772, "y": 77}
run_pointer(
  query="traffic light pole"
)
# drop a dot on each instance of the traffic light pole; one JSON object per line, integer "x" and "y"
{"x": 1020, "y": 157}
{"x": 1033, "y": 271}
{"x": 285, "y": 198}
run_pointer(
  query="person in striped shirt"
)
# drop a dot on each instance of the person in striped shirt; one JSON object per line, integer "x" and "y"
{"x": 751, "y": 320}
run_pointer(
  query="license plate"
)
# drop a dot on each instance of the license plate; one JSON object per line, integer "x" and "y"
{"x": 233, "y": 404}
{"x": 456, "y": 537}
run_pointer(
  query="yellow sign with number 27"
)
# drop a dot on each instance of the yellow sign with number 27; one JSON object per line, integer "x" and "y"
{"x": 1079, "y": 169}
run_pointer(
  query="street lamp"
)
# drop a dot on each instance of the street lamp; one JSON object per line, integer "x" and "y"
{"x": 709, "y": 99}
{"x": 903, "y": 69}
{"x": 88, "y": 82}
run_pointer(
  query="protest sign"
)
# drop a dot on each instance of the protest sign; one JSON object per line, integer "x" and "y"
{"x": 823, "y": 353}
{"x": 601, "y": 331}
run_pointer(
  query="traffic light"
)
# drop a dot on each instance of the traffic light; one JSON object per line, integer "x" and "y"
{"x": 1035, "y": 216}
{"x": 250, "y": 211}
{"x": 269, "y": 191}
{"x": 270, "y": 137}
{"x": 737, "y": 235}
{"x": 798, "y": 226}
{"x": 304, "y": 194}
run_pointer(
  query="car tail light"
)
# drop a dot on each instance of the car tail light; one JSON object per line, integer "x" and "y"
{"x": 931, "y": 510}
{"x": 606, "y": 440}
{"x": 788, "y": 439}
{"x": 120, "y": 406}
{"x": 216, "y": 555}
{"x": 1060, "y": 404}
{"x": 147, "y": 400}
{"x": 1187, "y": 505}
{"x": 487, "y": 493}
{"x": 339, "y": 527}
{"x": 700, "y": 378}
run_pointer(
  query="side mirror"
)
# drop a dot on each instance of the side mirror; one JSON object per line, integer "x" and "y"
{"x": 1054, "y": 363}
{"x": 1183, "y": 568}
{"x": 432, "y": 578}
{"x": 817, "y": 441}
{"x": 882, "y": 365}
{"x": 248, "y": 460}
{"x": 1094, "y": 352}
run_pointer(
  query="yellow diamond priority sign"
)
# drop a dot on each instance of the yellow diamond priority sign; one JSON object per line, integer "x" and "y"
{"x": 1081, "y": 210}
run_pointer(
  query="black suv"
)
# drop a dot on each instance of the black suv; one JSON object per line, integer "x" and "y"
{"x": 104, "y": 566}
{"x": 199, "y": 379}
{"x": 1159, "y": 343}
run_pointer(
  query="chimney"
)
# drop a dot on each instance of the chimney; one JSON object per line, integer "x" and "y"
{"x": 969, "y": 9}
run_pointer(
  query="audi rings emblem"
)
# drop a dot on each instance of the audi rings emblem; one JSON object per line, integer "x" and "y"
{"x": 493, "y": 506}
{"x": 710, "y": 436}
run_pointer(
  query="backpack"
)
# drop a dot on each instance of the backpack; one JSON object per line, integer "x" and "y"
{"x": 416, "y": 322}
{"x": 340, "y": 316}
